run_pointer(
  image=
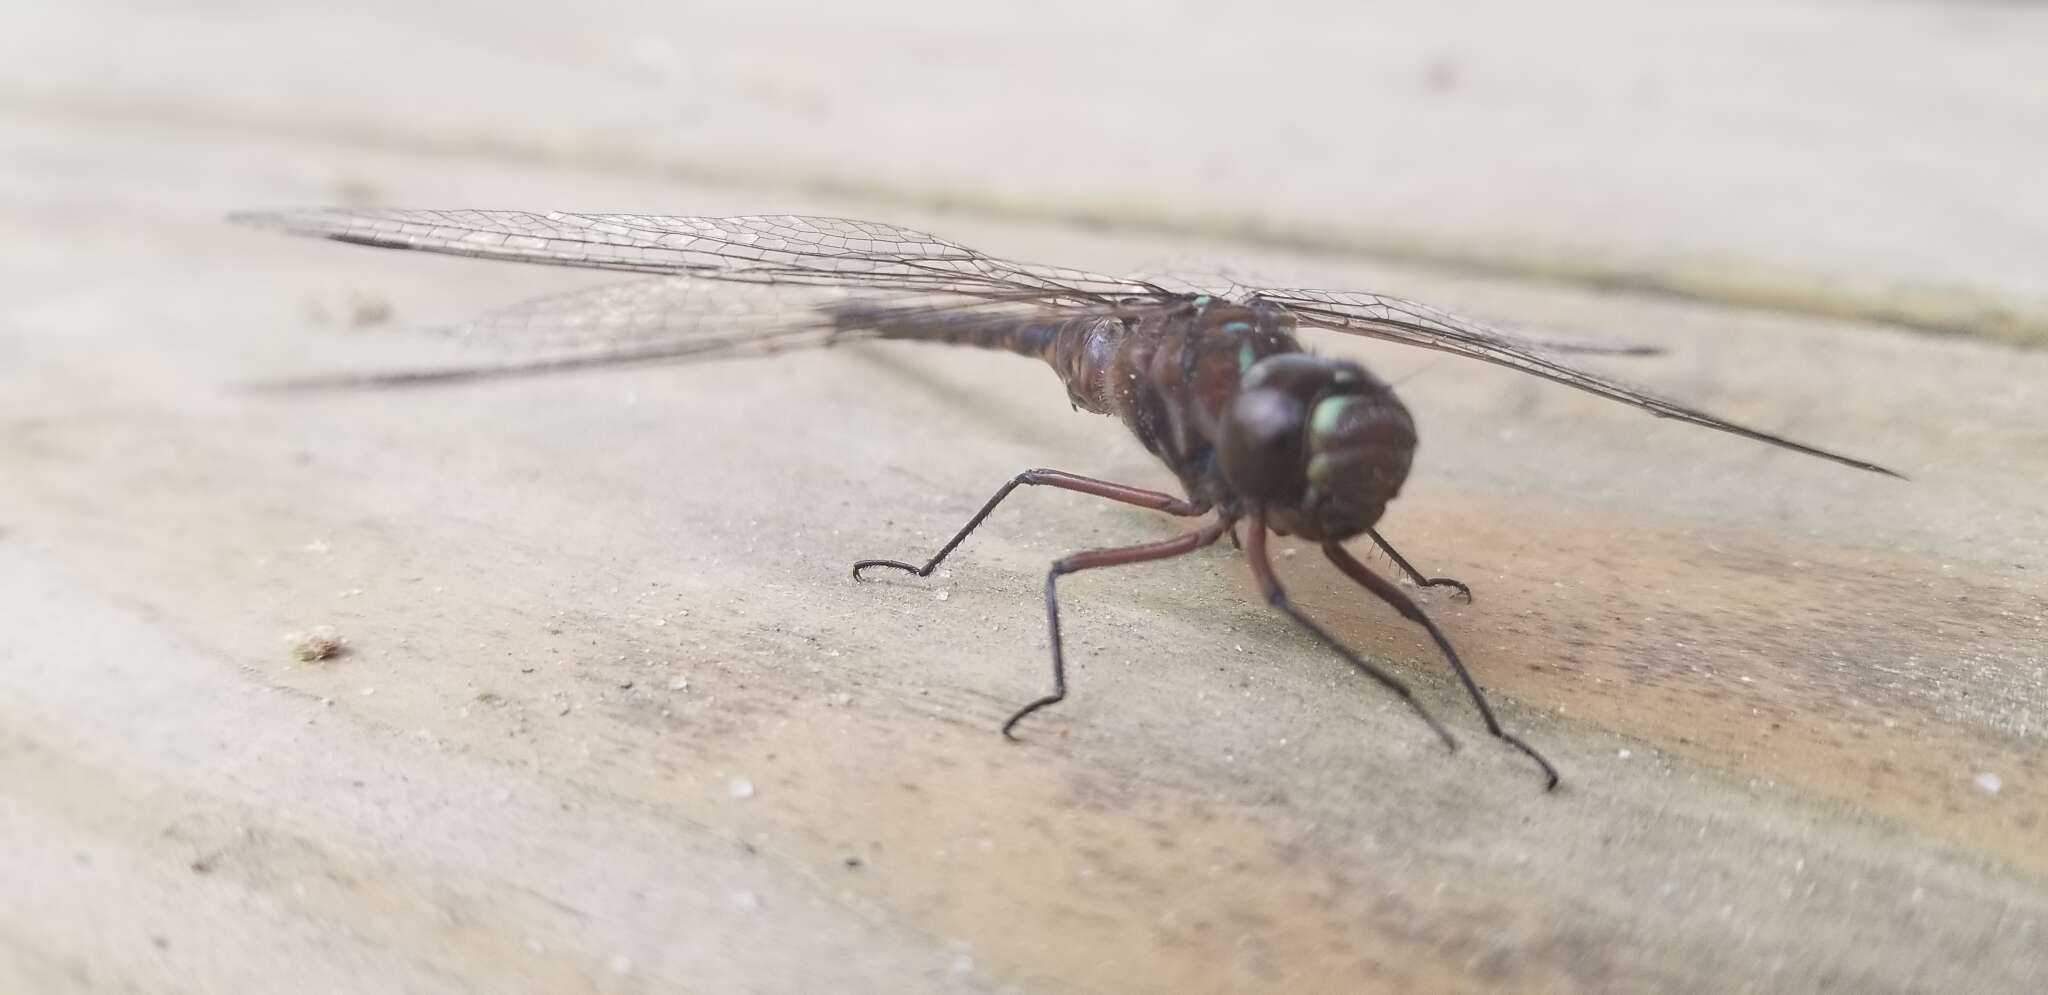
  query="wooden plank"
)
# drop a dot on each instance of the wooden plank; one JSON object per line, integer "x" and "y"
{"x": 1777, "y": 689}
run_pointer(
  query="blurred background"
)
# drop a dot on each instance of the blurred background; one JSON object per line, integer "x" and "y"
{"x": 1869, "y": 160}
{"x": 611, "y": 718}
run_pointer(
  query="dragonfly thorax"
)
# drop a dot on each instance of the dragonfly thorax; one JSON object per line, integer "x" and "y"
{"x": 1320, "y": 444}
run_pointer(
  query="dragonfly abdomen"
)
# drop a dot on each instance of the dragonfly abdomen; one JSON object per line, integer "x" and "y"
{"x": 1080, "y": 350}
{"x": 1027, "y": 335}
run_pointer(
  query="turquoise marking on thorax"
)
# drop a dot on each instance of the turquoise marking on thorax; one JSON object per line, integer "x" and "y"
{"x": 1246, "y": 356}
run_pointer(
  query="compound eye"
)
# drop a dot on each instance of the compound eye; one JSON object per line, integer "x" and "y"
{"x": 1260, "y": 449}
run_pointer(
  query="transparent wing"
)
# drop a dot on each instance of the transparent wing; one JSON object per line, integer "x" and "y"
{"x": 1396, "y": 320}
{"x": 775, "y": 249}
{"x": 662, "y": 311}
{"x": 682, "y": 319}
{"x": 1552, "y": 340}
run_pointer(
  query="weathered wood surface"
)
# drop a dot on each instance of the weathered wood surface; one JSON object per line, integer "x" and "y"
{"x": 1799, "y": 710}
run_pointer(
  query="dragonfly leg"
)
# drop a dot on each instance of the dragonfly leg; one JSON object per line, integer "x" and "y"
{"x": 1180, "y": 545}
{"x": 1392, "y": 595}
{"x": 1414, "y": 574}
{"x": 1155, "y": 500}
{"x": 1269, "y": 584}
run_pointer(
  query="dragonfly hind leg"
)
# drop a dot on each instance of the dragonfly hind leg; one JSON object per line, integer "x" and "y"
{"x": 1459, "y": 588}
{"x": 1164, "y": 549}
{"x": 1125, "y": 494}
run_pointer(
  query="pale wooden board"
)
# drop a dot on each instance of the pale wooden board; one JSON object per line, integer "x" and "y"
{"x": 1807, "y": 669}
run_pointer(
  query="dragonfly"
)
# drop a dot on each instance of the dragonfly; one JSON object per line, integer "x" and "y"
{"x": 1260, "y": 433}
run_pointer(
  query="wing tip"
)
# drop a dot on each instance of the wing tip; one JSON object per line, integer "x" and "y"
{"x": 303, "y": 220}
{"x": 332, "y": 224}
{"x": 1833, "y": 457}
{"x": 255, "y": 218}
{"x": 1857, "y": 464}
{"x": 1780, "y": 442}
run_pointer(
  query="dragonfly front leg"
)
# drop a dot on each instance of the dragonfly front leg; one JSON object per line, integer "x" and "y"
{"x": 1138, "y": 496}
{"x": 1392, "y": 595}
{"x": 1276, "y": 595}
{"x": 1180, "y": 545}
{"x": 1414, "y": 574}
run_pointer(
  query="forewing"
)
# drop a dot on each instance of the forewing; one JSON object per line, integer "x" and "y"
{"x": 776, "y": 249}
{"x": 1407, "y": 322}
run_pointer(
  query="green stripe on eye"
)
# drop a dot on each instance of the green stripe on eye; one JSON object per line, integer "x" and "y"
{"x": 1245, "y": 358}
{"x": 1323, "y": 421}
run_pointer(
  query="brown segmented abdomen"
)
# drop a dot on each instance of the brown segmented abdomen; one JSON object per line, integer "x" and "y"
{"x": 1083, "y": 352}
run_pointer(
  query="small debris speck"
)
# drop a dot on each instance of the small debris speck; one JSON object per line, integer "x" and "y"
{"x": 1989, "y": 783}
{"x": 320, "y": 642}
{"x": 622, "y": 964}
{"x": 746, "y": 900}
{"x": 366, "y": 692}
{"x": 678, "y": 684}
{"x": 943, "y": 595}
{"x": 741, "y": 788}
{"x": 1625, "y": 754}
{"x": 366, "y": 311}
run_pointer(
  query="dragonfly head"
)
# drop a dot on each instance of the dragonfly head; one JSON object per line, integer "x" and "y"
{"x": 1320, "y": 444}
